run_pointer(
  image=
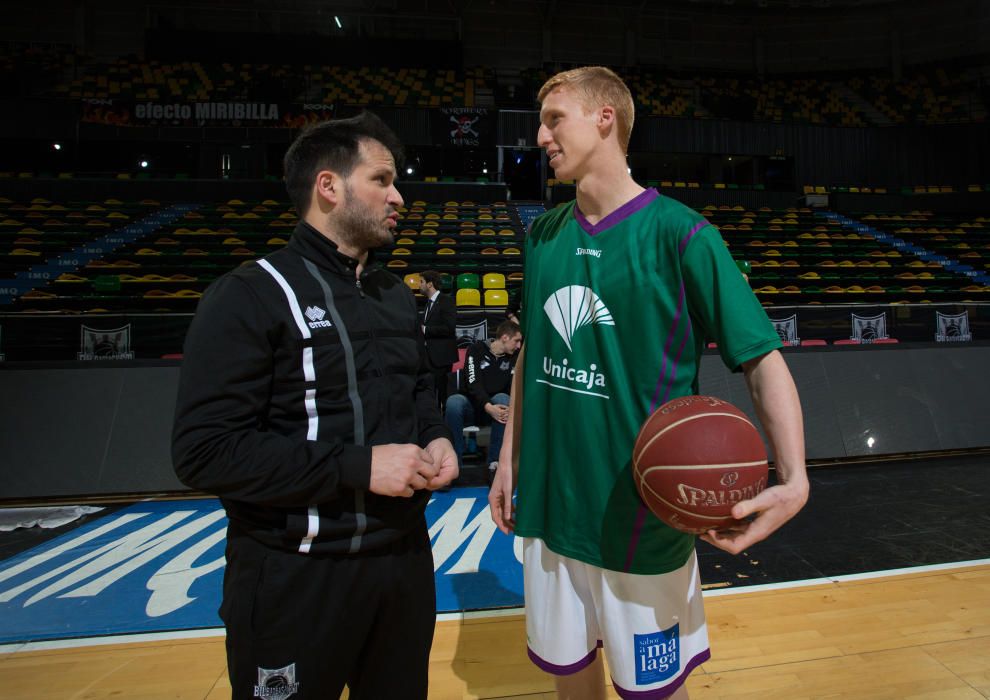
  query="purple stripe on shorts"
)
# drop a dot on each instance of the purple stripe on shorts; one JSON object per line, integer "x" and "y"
{"x": 624, "y": 212}
{"x": 564, "y": 670}
{"x": 667, "y": 690}
{"x": 687, "y": 239}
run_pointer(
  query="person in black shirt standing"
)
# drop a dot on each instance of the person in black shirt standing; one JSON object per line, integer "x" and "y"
{"x": 305, "y": 404}
{"x": 488, "y": 368}
{"x": 440, "y": 331}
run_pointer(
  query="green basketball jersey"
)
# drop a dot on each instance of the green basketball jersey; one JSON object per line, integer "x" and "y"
{"x": 616, "y": 315}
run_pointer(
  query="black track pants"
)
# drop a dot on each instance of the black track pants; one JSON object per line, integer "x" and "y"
{"x": 302, "y": 626}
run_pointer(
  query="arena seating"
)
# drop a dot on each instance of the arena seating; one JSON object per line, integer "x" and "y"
{"x": 924, "y": 96}
{"x": 39, "y": 230}
{"x": 168, "y": 269}
{"x": 802, "y": 257}
{"x": 129, "y": 78}
{"x": 798, "y": 256}
{"x": 928, "y": 95}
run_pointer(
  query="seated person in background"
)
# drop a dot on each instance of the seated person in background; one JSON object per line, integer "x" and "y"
{"x": 488, "y": 368}
{"x": 514, "y": 308}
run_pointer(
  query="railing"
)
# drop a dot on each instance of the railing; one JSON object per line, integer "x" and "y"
{"x": 141, "y": 336}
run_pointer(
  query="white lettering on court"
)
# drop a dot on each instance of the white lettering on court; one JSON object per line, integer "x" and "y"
{"x": 451, "y": 532}
{"x": 113, "y": 560}
{"x": 170, "y": 585}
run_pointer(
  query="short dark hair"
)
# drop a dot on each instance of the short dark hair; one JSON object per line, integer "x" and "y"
{"x": 509, "y": 328}
{"x": 433, "y": 277}
{"x": 332, "y": 145}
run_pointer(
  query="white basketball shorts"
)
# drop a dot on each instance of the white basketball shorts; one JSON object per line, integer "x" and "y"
{"x": 652, "y": 627}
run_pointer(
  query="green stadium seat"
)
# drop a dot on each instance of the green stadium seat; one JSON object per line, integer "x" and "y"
{"x": 468, "y": 280}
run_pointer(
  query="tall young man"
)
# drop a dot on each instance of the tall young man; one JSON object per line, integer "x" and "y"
{"x": 305, "y": 406}
{"x": 622, "y": 288}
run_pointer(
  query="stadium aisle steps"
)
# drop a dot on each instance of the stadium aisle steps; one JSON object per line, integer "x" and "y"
{"x": 40, "y": 275}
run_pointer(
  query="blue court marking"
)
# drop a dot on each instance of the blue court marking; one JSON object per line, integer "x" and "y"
{"x": 158, "y": 566}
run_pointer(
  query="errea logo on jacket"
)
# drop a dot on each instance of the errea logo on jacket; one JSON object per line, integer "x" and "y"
{"x": 315, "y": 315}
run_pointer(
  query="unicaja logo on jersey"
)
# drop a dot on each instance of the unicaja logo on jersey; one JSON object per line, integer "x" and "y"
{"x": 571, "y": 308}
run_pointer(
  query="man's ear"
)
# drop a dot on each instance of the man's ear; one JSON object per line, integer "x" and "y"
{"x": 606, "y": 119}
{"x": 328, "y": 188}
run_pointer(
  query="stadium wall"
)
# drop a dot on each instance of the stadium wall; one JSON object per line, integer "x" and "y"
{"x": 777, "y": 37}
{"x": 955, "y": 154}
{"x": 105, "y": 430}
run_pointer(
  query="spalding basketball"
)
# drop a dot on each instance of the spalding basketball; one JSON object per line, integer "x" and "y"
{"x": 694, "y": 458}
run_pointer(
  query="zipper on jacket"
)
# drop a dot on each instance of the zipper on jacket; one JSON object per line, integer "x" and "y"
{"x": 379, "y": 362}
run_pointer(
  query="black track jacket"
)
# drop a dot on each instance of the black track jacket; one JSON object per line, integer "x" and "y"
{"x": 293, "y": 370}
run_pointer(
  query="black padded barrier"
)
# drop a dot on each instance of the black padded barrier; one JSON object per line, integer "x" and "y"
{"x": 873, "y": 400}
{"x": 77, "y": 429}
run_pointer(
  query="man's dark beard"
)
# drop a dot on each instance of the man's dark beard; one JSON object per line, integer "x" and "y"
{"x": 358, "y": 227}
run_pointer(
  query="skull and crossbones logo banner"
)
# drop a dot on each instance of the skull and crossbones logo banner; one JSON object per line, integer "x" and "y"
{"x": 463, "y": 126}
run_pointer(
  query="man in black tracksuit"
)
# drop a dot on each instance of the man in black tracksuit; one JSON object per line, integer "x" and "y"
{"x": 487, "y": 373}
{"x": 305, "y": 405}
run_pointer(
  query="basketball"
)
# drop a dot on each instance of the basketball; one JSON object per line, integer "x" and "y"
{"x": 694, "y": 458}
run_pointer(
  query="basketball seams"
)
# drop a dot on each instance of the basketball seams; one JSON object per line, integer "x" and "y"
{"x": 673, "y": 425}
{"x": 703, "y": 467}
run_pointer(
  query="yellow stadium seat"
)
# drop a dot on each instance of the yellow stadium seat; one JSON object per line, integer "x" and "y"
{"x": 468, "y": 297}
{"x": 413, "y": 281}
{"x": 494, "y": 280}
{"x": 496, "y": 297}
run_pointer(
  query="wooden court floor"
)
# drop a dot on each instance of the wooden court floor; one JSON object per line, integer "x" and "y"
{"x": 923, "y": 634}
